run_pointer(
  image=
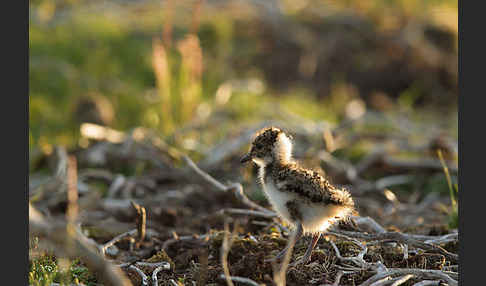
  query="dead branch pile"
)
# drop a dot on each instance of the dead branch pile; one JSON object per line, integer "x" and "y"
{"x": 171, "y": 221}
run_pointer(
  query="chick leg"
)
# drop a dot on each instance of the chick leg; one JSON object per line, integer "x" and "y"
{"x": 312, "y": 245}
{"x": 298, "y": 235}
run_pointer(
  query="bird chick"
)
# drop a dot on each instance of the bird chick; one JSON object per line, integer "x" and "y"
{"x": 302, "y": 197}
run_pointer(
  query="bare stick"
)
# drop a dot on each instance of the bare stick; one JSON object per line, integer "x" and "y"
{"x": 236, "y": 187}
{"x": 140, "y": 272}
{"x": 421, "y": 273}
{"x": 280, "y": 276}
{"x": 382, "y": 281}
{"x": 155, "y": 282}
{"x": 402, "y": 280}
{"x": 204, "y": 175}
{"x": 428, "y": 283}
{"x": 358, "y": 260}
{"x": 141, "y": 221}
{"x": 370, "y": 237}
{"x": 72, "y": 193}
{"x": 225, "y": 248}
{"x": 384, "y": 182}
{"x": 369, "y": 223}
{"x": 72, "y": 199}
{"x": 55, "y": 232}
{"x": 238, "y": 279}
{"x": 117, "y": 239}
{"x": 403, "y": 238}
{"x": 444, "y": 239}
{"x": 157, "y": 270}
{"x": 163, "y": 264}
{"x": 395, "y": 281}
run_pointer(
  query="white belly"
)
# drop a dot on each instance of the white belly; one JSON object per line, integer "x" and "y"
{"x": 316, "y": 217}
{"x": 279, "y": 200}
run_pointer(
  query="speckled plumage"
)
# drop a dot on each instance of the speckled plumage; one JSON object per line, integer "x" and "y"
{"x": 300, "y": 196}
{"x": 297, "y": 194}
{"x": 309, "y": 184}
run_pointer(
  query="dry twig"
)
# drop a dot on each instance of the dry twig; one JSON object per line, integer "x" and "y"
{"x": 428, "y": 283}
{"x": 358, "y": 260}
{"x": 141, "y": 221}
{"x": 72, "y": 192}
{"x": 401, "y": 280}
{"x": 236, "y": 187}
{"x": 140, "y": 272}
{"x": 401, "y": 238}
{"x": 82, "y": 248}
{"x": 279, "y": 276}
{"x": 157, "y": 270}
{"x": 368, "y": 223}
{"x": 117, "y": 239}
{"x": 225, "y": 248}
{"x": 420, "y": 273}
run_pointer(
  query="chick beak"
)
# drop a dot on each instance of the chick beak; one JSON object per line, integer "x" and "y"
{"x": 245, "y": 158}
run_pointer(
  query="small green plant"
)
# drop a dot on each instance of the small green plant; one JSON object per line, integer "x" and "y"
{"x": 45, "y": 270}
{"x": 453, "y": 190}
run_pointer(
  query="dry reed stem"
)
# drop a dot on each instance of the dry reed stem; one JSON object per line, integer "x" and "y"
{"x": 160, "y": 65}
{"x": 72, "y": 199}
{"x": 141, "y": 220}
{"x": 72, "y": 193}
{"x": 279, "y": 276}
{"x": 225, "y": 248}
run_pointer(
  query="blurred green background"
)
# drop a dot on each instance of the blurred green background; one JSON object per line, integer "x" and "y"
{"x": 165, "y": 64}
